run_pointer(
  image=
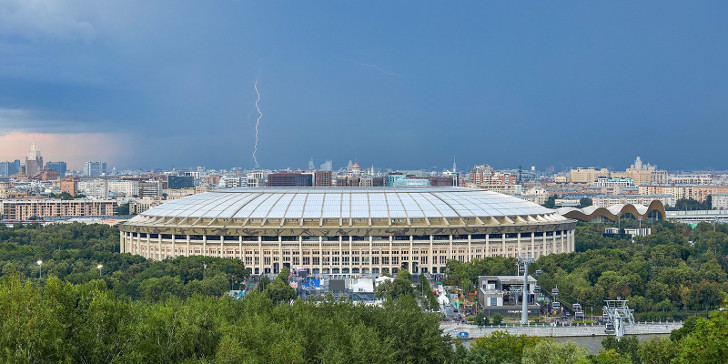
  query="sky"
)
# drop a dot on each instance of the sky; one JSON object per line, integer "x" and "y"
{"x": 396, "y": 84}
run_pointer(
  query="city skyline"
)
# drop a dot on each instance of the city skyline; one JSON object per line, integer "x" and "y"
{"x": 561, "y": 85}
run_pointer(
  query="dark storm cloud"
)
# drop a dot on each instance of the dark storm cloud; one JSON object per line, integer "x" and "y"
{"x": 505, "y": 84}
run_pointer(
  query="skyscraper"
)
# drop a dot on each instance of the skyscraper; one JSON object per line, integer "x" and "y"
{"x": 94, "y": 169}
{"x": 33, "y": 161}
{"x": 327, "y": 166}
{"x": 57, "y": 166}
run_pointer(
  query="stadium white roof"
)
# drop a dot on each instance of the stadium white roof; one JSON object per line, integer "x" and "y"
{"x": 347, "y": 203}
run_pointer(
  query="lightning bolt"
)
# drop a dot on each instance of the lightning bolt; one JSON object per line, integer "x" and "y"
{"x": 257, "y": 122}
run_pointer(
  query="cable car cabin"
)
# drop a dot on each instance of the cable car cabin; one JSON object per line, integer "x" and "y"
{"x": 555, "y": 291}
{"x": 556, "y": 305}
{"x": 539, "y": 272}
{"x": 537, "y": 289}
{"x": 609, "y": 329}
{"x": 577, "y": 307}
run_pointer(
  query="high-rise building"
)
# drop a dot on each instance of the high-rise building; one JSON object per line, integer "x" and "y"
{"x": 150, "y": 189}
{"x": 8, "y": 169}
{"x": 323, "y": 178}
{"x": 59, "y": 167}
{"x": 94, "y": 169}
{"x": 327, "y": 166}
{"x": 33, "y": 161}
{"x": 295, "y": 179}
{"x": 176, "y": 182}
{"x": 4, "y": 169}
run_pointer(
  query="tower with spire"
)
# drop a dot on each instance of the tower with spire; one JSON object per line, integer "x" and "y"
{"x": 33, "y": 161}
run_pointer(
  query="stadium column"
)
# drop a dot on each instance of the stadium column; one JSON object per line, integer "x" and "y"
{"x": 371, "y": 256}
{"x": 468, "y": 255}
{"x": 341, "y": 255}
{"x": 159, "y": 246}
{"x": 321, "y": 255}
{"x": 300, "y": 253}
{"x": 450, "y": 255}
{"x": 503, "y": 245}
{"x": 411, "y": 262}
{"x": 564, "y": 242}
{"x": 187, "y": 249}
{"x": 487, "y": 244}
{"x": 122, "y": 242}
{"x": 204, "y": 245}
{"x": 174, "y": 250}
{"x": 533, "y": 245}
{"x": 240, "y": 248}
{"x": 518, "y": 244}
{"x": 261, "y": 259}
{"x": 430, "y": 258}
{"x": 222, "y": 246}
{"x": 389, "y": 254}
{"x": 543, "y": 248}
{"x": 553, "y": 241}
{"x": 572, "y": 246}
{"x": 280, "y": 253}
{"x": 148, "y": 255}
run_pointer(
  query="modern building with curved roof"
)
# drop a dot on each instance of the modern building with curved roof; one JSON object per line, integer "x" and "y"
{"x": 655, "y": 211}
{"x": 348, "y": 230}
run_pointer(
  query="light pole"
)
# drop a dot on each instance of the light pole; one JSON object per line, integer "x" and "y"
{"x": 100, "y": 267}
{"x": 40, "y": 268}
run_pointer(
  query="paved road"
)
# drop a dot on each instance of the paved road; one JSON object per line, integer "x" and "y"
{"x": 650, "y": 328}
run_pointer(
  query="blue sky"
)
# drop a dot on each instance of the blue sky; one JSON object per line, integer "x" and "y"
{"x": 394, "y": 84}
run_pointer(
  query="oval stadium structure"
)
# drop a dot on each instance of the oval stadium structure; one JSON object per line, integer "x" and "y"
{"x": 348, "y": 230}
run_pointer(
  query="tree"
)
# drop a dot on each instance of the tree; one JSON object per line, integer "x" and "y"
{"x": 627, "y": 346}
{"x": 708, "y": 342}
{"x": 481, "y": 319}
{"x": 401, "y": 286}
{"x": 497, "y": 319}
{"x": 658, "y": 351}
{"x": 500, "y": 347}
{"x": 551, "y": 201}
{"x": 584, "y": 202}
{"x": 551, "y": 352}
{"x": 279, "y": 291}
{"x": 124, "y": 209}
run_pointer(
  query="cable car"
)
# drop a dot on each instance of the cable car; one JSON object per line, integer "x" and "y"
{"x": 537, "y": 289}
{"x": 609, "y": 329}
{"x": 555, "y": 291}
{"x": 538, "y": 273}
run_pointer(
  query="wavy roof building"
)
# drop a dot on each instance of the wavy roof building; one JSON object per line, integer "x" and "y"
{"x": 655, "y": 211}
{"x": 348, "y": 230}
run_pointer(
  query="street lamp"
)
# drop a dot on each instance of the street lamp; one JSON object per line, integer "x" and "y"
{"x": 100, "y": 267}
{"x": 40, "y": 268}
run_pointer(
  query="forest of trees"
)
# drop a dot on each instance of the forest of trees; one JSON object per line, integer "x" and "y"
{"x": 666, "y": 275}
{"x": 138, "y": 311}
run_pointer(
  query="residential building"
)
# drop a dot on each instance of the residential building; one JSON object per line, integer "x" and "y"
{"x": 322, "y": 178}
{"x": 719, "y": 201}
{"x": 69, "y": 185}
{"x": 587, "y": 175}
{"x": 53, "y": 208}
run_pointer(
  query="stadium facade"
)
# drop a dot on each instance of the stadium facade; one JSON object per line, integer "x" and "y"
{"x": 348, "y": 230}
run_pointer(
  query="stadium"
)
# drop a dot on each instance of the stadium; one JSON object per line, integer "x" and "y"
{"x": 348, "y": 230}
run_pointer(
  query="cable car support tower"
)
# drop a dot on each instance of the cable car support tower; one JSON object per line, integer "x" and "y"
{"x": 620, "y": 315}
